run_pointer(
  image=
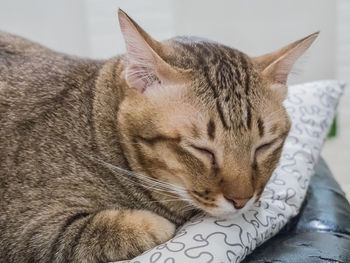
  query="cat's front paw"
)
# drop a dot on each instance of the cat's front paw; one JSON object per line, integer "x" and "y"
{"x": 137, "y": 231}
{"x": 148, "y": 229}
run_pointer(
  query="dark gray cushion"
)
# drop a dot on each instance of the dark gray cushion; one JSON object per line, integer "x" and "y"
{"x": 320, "y": 233}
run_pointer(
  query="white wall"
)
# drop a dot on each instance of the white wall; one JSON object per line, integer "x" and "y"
{"x": 105, "y": 38}
{"x": 337, "y": 150}
{"x": 90, "y": 27}
{"x": 58, "y": 24}
{"x": 256, "y": 27}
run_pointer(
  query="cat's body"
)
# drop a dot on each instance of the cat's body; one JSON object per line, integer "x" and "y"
{"x": 61, "y": 128}
{"x": 47, "y": 138}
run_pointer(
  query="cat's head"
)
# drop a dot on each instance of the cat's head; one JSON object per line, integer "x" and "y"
{"x": 204, "y": 116}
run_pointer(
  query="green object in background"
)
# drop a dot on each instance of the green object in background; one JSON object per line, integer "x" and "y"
{"x": 333, "y": 130}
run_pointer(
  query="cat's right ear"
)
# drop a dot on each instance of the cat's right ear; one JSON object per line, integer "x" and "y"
{"x": 276, "y": 66}
{"x": 145, "y": 68}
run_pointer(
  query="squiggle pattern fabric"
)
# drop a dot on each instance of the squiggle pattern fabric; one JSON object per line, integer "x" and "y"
{"x": 311, "y": 107}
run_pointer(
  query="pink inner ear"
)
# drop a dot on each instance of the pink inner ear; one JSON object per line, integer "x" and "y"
{"x": 140, "y": 71}
{"x": 281, "y": 78}
{"x": 141, "y": 68}
{"x": 140, "y": 77}
{"x": 285, "y": 58}
{"x": 282, "y": 69}
{"x": 135, "y": 79}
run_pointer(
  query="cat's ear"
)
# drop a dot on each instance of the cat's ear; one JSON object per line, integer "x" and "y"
{"x": 145, "y": 67}
{"x": 276, "y": 66}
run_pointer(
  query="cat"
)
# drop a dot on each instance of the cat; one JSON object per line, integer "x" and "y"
{"x": 102, "y": 160}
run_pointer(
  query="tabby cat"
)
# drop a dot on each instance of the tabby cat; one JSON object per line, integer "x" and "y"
{"x": 102, "y": 160}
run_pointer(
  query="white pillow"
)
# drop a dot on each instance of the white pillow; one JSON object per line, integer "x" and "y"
{"x": 311, "y": 107}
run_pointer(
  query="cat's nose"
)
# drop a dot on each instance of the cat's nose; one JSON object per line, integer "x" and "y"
{"x": 237, "y": 203}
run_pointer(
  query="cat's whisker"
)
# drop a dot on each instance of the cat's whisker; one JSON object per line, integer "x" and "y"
{"x": 167, "y": 186}
{"x": 113, "y": 168}
{"x": 170, "y": 200}
{"x": 166, "y": 191}
{"x": 143, "y": 177}
{"x": 162, "y": 184}
{"x": 178, "y": 187}
{"x": 155, "y": 185}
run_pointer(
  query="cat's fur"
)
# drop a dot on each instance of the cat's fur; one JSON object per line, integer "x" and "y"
{"x": 195, "y": 121}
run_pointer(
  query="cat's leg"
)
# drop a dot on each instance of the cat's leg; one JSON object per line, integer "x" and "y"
{"x": 111, "y": 235}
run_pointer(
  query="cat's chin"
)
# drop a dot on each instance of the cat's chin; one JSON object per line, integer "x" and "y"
{"x": 225, "y": 210}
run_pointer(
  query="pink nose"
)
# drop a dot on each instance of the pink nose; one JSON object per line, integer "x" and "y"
{"x": 238, "y": 203}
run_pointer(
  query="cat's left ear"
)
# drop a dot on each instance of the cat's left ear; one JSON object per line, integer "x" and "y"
{"x": 145, "y": 68}
{"x": 276, "y": 66}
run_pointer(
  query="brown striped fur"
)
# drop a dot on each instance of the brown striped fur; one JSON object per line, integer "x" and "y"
{"x": 203, "y": 124}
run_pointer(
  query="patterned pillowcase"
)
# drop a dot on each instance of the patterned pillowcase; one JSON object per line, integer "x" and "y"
{"x": 311, "y": 107}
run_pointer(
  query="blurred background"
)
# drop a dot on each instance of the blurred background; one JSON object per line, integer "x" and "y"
{"x": 90, "y": 28}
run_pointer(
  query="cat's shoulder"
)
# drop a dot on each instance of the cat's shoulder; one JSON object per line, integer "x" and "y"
{"x": 31, "y": 73}
{"x": 22, "y": 60}
{"x": 11, "y": 44}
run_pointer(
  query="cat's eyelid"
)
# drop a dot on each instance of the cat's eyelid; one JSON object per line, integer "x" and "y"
{"x": 208, "y": 152}
{"x": 267, "y": 144}
{"x": 271, "y": 141}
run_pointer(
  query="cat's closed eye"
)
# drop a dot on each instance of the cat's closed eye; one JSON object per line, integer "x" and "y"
{"x": 208, "y": 153}
{"x": 265, "y": 146}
